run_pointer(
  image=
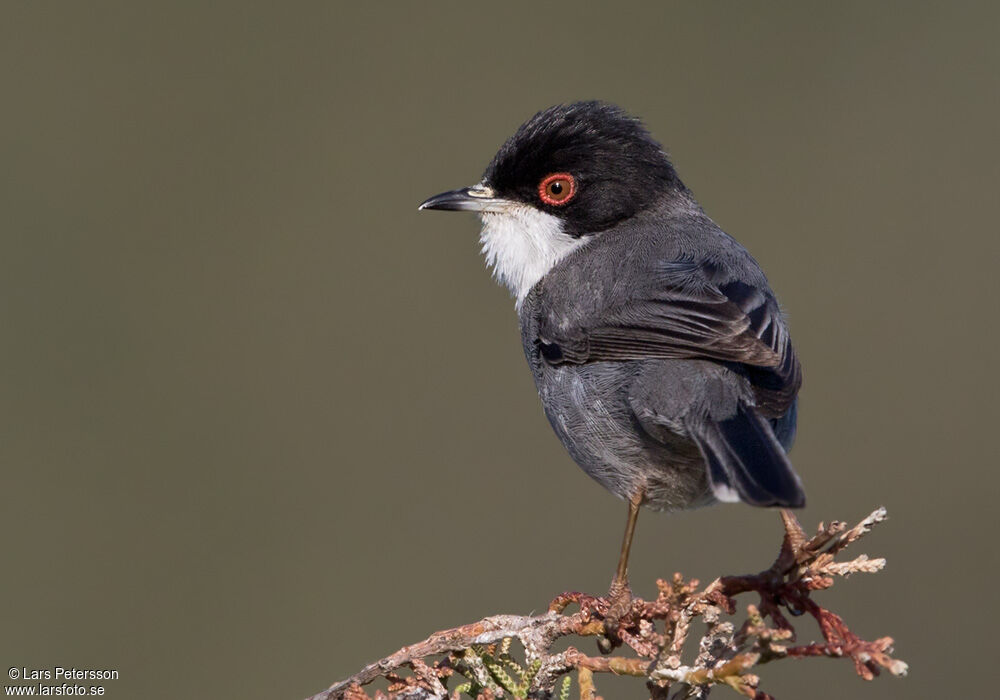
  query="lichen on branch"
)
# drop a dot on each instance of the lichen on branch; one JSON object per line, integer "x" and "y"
{"x": 647, "y": 639}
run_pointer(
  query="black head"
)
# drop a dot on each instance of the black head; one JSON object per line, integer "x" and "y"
{"x": 571, "y": 171}
{"x": 589, "y": 163}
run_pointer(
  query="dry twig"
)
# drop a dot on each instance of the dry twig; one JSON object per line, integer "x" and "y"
{"x": 478, "y": 656}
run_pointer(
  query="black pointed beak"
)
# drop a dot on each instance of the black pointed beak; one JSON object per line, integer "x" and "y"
{"x": 476, "y": 198}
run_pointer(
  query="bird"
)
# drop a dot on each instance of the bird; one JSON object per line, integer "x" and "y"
{"x": 661, "y": 356}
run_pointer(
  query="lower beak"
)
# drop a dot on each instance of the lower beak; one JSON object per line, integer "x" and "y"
{"x": 475, "y": 198}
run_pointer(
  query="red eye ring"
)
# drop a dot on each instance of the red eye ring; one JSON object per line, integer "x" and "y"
{"x": 557, "y": 189}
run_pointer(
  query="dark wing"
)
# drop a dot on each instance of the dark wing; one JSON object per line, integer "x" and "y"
{"x": 691, "y": 310}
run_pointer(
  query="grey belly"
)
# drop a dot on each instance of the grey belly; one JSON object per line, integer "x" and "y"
{"x": 588, "y": 407}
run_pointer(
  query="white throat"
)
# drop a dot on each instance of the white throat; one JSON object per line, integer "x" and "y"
{"x": 522, "y": 244}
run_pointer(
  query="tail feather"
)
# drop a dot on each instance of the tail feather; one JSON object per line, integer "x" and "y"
{"x": 746, "y": 462}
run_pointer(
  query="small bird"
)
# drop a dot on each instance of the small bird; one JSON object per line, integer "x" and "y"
{"x": 658, "y": 349}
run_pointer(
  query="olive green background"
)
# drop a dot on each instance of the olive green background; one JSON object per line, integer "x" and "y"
{"x": 262, "y": 422}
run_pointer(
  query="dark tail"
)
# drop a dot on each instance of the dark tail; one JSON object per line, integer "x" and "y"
{"x": 746, "y": 462}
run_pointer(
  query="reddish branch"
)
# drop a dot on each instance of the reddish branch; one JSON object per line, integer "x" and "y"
{"x": 476, "y": 659}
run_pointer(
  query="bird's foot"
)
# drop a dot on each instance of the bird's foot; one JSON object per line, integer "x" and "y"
{"x": 618, "y": 615}
{"x": 619, "y": 600}
{"x": 612, "y": 615}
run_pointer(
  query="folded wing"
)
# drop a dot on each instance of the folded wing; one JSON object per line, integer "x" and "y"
{"x": 690, "y": 310}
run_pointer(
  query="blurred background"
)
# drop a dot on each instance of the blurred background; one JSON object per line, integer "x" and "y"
{"x": 261, "y": 418}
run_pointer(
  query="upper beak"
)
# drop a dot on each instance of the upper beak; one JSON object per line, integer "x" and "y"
{"x": 476, "y": 198}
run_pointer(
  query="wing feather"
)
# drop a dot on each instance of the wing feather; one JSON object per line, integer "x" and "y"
{"x": 693, "y": 311}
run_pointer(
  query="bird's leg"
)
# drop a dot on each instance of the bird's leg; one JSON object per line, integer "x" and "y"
{"x": 621, "y": 575}
{"x": 620, "y": 594}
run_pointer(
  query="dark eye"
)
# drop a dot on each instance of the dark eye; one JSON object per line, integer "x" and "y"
{"x": 557, "y": 189}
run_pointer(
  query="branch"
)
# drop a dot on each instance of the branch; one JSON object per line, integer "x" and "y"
{"x": 651, "y": 633}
